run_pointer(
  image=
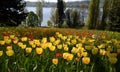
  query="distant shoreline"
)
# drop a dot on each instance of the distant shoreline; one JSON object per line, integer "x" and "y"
{"x": 68, "y": 4}
{"x": 53, "y": 4}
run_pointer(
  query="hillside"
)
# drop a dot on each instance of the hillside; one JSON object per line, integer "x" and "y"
{"x": 68, "y": 4}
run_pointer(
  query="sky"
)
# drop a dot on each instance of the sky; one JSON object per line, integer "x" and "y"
{"x": 51, "y": 0}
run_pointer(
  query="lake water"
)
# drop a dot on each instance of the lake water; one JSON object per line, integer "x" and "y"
{"x": 46, "y": 14}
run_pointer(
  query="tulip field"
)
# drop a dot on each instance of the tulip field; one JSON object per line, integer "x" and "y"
{"x": 58, "y": 50}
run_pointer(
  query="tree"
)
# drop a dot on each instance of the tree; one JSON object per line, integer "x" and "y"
{"x": 68, "y": 17}
{"x": 32, "y": 20}
{"x": 12, "y": 12}
{"x": 103, "y": 23}
{"x": 72, "y": 18}
{"x": 93, "y": 15}
{"x": 40, "y": 12}
{"x": 114, "y": 15}
{"x": 60, "y": 7}
{"x": 83, "y": 8}
{"x": 49, "y": 23}
{"x": 75, "y": 18}
{"x": 54, "y": 16}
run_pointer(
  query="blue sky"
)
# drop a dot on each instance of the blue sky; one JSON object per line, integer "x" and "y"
{"x": 51, "y": 0}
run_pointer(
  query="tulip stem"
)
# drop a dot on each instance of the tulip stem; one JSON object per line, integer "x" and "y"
{"x": 91, "y": 70}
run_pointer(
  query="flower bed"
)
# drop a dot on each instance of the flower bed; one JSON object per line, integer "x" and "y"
{"x": 58, "y": 50}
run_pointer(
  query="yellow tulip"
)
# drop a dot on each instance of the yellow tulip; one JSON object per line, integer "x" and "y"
{"x": 55, "y": 61}
{"x": 109, "y": 48}
{"x": 76, "y": 37}
{"x": 9, "y": 53}
{"x": 20, "y": 44}
{"x": 66, "y": 48}
{"x": 49, "y": 44}
{"x": 12, "y": 36}
{"x": 113, "y": 60}
{"x": 52, "y": 48}
{"x": 79, "y": 54}
{"x": 33, "y": 46}
{"x": 24, "y": 39}
{"x": 74, "y": 41}
{"x": 108, "y": 42}
{"x": 86, "y": 60}
{"x": 84, "y": 54}
{"x": 68, "y": 39}
{"x": 59, "y": 46}
{"x": 52, "y": 39}
{"x": 6, "y": 37}
{"x": 94, "y": 51}
{"x": 31, "y": 43}
{"x": 70, "y": 57}
{"x": 28, "y": 50}
{"x": 89, "y": 47}
{"x": 23, "y": 46}
{"x": 112, "y": 55}
{"x": 1, "y": 53}
{"x": 118, "y": 51}
{"x": 81, "y": 49}
{"x": 56, "y": 42}
{"x": 15, "y": 41}
{"x": 101, "y": 46}
{"x": 9, "y": 47}
{"x": 65, "y": 45}
{"x": 2, "y": 42}
{"x": 44, "y": 45}
{"x": 74, "y": 50}
{"x": 64, "y": 38}
{"x": 38, "y": 44}
{"x": 70, "y": 36}
{"x": 44, "y": 40}
{"x": 102, "y": 52}
{"x": 57, "y": 33}
{"x": 91, "y": 40}
{"x": 67, "y": 42}
{"x": 79, "y": 45}
{"x": 60, "y": 35}
{"x": 36, "y": 41}
{"x": 65, "y": 55}
{"x": 8, "y": 41}
{"x": 39, "y": 51}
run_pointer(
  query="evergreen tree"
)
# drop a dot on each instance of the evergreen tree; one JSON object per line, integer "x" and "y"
{"x": 103, "y": 23}
{"x": 73, "y": 18}
{"x": 12, "y": 12}
{"x": 60, "y": 7}
{"x": 93, "y": 15}
{"x": 40, "y": 12}
{"x": 114, "y": 15}
{"x": 68, "y": 17}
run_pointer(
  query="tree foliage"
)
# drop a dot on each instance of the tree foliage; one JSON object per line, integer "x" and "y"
{"x": 72, "y": 18}
{"x": 54, "y": 16}
{"x": 68, "y": 17}
{"x": 32, "y": 20}
{"x": 49, "y": 23}
{"x": 60, "y": 7}
{"x": 40, "y": 12}
{"x": 93, "y": 15}
{"x": 103, "y": 24}
{"x": 114, "y": 15}
{"x": 12, "y": 12}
